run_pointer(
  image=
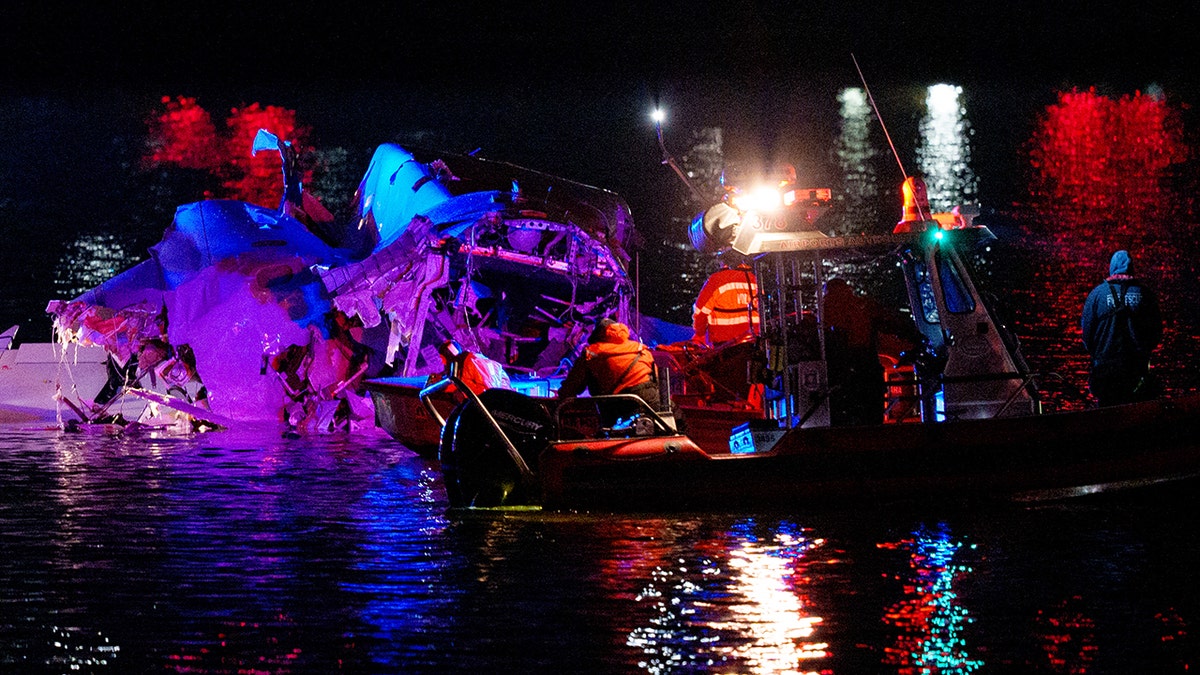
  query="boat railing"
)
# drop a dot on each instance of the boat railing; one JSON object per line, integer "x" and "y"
{"x": 609, "y": 416}
{"x": 1030, "y": 381}
{"x": 453, "y": 380}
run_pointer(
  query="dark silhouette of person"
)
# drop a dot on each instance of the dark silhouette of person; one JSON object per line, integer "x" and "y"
{"x": 1122, "y": 326}
{"x": 852, "y": 326}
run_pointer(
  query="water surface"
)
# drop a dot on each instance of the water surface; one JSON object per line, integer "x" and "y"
{"x": 243, "y": 552}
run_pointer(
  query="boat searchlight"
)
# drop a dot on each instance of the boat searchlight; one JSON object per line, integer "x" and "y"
{"x": 763, "y": 199}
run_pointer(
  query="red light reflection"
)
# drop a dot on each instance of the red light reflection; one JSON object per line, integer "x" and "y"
{"x": 1104, "y": 175}
{"x": 183, "y": 135}
{"x": 1068, "y": 637}
{"x": 258, "y": 179}
{"x": 1094, "y": 157}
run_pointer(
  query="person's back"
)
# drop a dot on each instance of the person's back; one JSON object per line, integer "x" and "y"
{"x": 725, "y": 309}
{"x": 1122, "y": 326}
{"x": 613, "y": 364}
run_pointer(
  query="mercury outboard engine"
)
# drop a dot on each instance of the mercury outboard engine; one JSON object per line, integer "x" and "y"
{"x": 477, "y": 465}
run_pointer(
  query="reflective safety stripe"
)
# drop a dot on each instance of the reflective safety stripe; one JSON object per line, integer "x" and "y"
{"x": 742, "y": 308}
{"x": 735, "y": 286}
{"x": 732, "y": 320}
{"x": 726, "y": 308}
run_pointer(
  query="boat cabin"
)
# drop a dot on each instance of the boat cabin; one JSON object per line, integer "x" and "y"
{"x": 964, "y": 363}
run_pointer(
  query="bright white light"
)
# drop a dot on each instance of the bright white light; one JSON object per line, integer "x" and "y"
{"x": 942, "y": 100}
{"x": 856, "y": 157}
{"x": 658, "y": 115}
{"x": 764, "y": 198}
{"x": 944, "y": 153}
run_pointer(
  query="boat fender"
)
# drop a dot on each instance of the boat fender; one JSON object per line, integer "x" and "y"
{"x": 626, "y": 449}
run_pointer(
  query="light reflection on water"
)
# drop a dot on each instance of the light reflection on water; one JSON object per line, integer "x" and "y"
{"x": 930, "y": 620}
{"x": 244, "y": 553}
{"x": 239, "y": 553}
{"x": 944, "y": 152}
{"x": 738, "y": 606}
{"x": 91, "y": 259}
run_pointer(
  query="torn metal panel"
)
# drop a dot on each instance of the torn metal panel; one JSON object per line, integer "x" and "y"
{"x": 280, "y": 322}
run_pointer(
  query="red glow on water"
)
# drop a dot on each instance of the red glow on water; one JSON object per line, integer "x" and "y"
{"x": 1098, "y": 158}
{"x": 1106, "y": 173}
{"x": 1067, "y": 637}
{"x": 184, "y": 135}
{"x": 257, "y": 179}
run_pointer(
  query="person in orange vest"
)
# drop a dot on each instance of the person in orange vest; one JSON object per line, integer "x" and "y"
{"x": 613, "y": 364}
{"x": 727, "y": 307}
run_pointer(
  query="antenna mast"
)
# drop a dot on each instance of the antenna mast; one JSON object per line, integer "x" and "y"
{"x": 871, "y": 98}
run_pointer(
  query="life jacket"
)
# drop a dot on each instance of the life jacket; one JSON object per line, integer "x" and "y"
{"x": 726, "y": 308}
{"x": 618, "y": 367}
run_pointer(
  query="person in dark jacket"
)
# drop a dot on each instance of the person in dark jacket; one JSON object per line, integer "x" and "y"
{"x": 1122, "y": 326}
{"x": 613, "y": 364}
{"x": 853, "y": 326}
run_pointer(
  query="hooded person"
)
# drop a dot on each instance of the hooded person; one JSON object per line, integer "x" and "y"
{"x": 613, "y": 364}
{"x": 1122, "y": 326}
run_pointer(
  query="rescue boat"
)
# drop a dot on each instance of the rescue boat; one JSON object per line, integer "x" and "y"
{"x": 966, "y": 424}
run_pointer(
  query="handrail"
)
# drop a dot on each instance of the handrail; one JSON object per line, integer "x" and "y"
{"x": 448, "y": 380}
{"x": 431, "y": 389}
{"x": 1027, "y": 379}
{"x": 985, "y": 377}
{"x": 658, "y": 420}
{"x": 1016, "y": 392}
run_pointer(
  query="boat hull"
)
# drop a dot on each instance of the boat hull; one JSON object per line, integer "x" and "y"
{"x": 711, "y": 426}
{"x": 34, "y": 376}
{"x": 400, "y": 412}
{"x": 1040, "y": 457}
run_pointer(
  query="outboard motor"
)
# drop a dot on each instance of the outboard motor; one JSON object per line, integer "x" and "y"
{"x": 477, "y": 466}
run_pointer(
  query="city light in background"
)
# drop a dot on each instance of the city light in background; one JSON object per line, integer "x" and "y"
{"x": 944, "y": 151}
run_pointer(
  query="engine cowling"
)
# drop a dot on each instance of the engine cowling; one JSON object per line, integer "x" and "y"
{"x": 476, "y": 466}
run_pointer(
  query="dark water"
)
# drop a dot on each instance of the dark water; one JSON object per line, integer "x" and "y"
{"x": 244, "y": 553}
{"x": 237, "y": 553}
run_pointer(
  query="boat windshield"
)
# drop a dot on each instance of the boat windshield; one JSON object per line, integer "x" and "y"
{"x": 958, "y": 297}
{"x": 954, "y": 290}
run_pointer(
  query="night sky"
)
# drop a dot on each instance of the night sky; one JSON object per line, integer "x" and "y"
{"x": 345, "y": 65}
{"x": 563, "y": 87}
{"x": 202, "y": 44}
{"x": 527, "y": 79}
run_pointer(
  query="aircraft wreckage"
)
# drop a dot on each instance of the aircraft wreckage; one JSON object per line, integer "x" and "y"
{"x": 246, "y": 314}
